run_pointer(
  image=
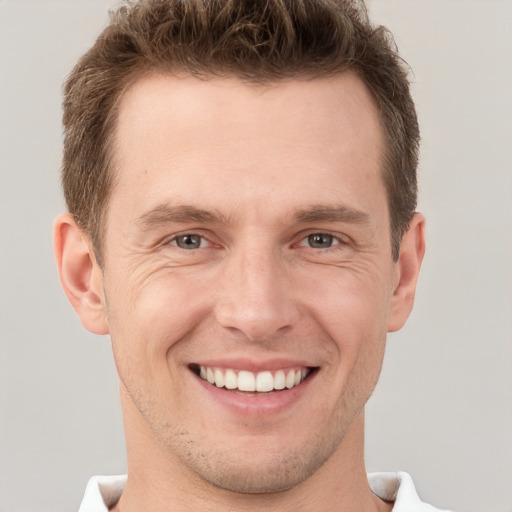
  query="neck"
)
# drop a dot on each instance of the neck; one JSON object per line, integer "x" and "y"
{"x": 158, "y": 482}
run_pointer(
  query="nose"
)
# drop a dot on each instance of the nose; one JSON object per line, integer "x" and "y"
{"x": 255, "y": 296}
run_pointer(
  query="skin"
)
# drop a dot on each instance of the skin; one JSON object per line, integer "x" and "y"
{"x": 268, "y": 166}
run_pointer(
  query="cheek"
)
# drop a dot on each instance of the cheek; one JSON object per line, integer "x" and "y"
{"x": 352, "y": 311}
{"x": 353, "y": 305}
{"x": 149, "y": 316}
{"x": 165, "y": 296}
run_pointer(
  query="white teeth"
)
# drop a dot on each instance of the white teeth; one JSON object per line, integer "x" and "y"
{"x": 264, "y": 381}
{"x": 231, "y": 380}
{"x": 279, "y": 380}
{"x": 219, "y": 379}
{"x": 290, "y": 379}
{"x": 244, "y": 380}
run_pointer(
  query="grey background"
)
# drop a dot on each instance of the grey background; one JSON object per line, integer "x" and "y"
{"x": 443, "y": 408}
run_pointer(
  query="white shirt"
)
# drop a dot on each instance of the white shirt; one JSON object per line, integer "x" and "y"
{"x": 103, "y": 492}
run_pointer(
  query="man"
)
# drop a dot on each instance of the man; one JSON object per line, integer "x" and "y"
{"x": 240, "y": 178}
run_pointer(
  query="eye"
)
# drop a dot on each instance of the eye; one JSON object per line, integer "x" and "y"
{"x": 320, "y": 241}
{"x": 189, "y": 241}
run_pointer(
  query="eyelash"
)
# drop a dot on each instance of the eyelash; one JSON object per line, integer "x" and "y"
{"x": 306, "y": 241}
{"x": 174, "y": 240}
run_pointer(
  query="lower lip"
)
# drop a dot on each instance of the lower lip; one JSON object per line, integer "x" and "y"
{"x": 256, "y": 404}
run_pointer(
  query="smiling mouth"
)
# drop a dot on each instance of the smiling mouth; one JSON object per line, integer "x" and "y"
{"x": 252, "y": 382}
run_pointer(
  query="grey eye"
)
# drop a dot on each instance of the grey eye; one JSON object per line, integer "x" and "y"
{"x": 320, "y": 240}
{"x": 188, "y": 241}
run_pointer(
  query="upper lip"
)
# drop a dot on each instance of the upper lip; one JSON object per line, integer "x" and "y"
{"x": 254, "y": 365}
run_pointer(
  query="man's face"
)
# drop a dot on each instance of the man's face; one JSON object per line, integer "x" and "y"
{"x": 247, "y": 244}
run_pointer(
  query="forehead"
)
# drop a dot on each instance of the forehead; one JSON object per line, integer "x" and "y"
{"x": 325, "y": 104}
{"x": 222, "y": 140}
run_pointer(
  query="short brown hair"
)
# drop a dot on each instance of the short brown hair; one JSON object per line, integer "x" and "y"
{"x": 255, "y": 40}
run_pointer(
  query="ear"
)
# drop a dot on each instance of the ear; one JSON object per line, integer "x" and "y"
{"x": 407, "y": 269}
{"x": 80, "y": 275}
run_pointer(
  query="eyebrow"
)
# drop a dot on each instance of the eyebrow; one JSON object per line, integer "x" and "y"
{"x": 165, "y": 214}
{"x": 183, "y": 214}
{"x": 328, "y": 213}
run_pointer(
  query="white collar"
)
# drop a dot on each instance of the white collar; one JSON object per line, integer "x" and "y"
{"x": 103, "y": 492}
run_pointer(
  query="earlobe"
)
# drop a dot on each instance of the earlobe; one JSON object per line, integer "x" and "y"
{"x": 80, "y": 274}
{"x": 412, "y": 250}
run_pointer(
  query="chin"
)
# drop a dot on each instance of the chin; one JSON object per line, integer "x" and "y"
{"x": 249, "y": 478}
{"x": 260, "y": 467}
